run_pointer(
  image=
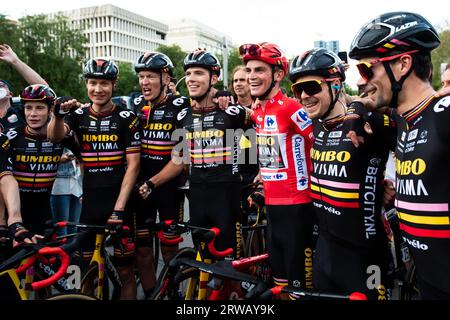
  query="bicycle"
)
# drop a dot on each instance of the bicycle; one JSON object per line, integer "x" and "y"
{"x": 11, "y": 288}
{"x": 187, "y": 275}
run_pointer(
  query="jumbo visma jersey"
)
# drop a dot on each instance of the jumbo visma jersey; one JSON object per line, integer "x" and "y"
{"x": 157, "y": 123}
{"x": 212, "y": 143}
{"x": 105, "y": 141}
{"x": 284, "y": 139}
{"x": 347, "y": 182}
{"x": 34, "y": 160}
{"x": 423, "y": 187}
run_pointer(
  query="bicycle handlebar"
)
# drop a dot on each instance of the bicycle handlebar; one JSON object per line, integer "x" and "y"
{"x": 212, "y": 249}
{"x": 185, "y": 227}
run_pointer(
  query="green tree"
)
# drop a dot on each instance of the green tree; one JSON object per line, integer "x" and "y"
{"x": 55, "y": 51}
{"x": 441, "y": 55}
{"x": 177, "y": 55}
{"x": 128, "y": 81}
{"x": 10, "y": 35}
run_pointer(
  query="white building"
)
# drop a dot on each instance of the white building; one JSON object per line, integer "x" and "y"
{"x": 115, "y": 33}
{"x": 190, "y": 35}
{"x": 330, "y": 45}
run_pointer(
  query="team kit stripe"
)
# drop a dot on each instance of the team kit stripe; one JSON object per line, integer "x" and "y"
{"x": 335, "y": 194}
{"x": 342, "y": 185}
{"x": 435, "y": 207}
{"x": 91, "y": 159}
{"x": 148, "y": 146}
{"x": 35, "y": 179}
{"x": 351, "y": 205}
{"x": 103, "y": 164}
{"x": 425, "y": 233}
{"x": 156, "y": 152}
{"x": 432, "y": 220}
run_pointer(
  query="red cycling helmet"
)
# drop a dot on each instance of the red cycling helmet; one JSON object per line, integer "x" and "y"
{"x": 264, "y": 51}
{"x": 38, "y": 92}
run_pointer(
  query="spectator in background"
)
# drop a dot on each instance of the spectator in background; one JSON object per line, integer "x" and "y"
{"x": 445, "y": 77}
{"x": 65, "y": 200}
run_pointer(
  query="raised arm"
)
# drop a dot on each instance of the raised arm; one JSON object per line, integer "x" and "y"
{"x": 9, "y": 56}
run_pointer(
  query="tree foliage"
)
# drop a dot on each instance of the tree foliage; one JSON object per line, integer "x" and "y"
{"x": 441, "y": 55}
{"x": 128, "y": 80}
{"x": 51, "y": 47}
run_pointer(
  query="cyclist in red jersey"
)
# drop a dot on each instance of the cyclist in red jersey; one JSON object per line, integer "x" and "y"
{"x": 284, "y": 138}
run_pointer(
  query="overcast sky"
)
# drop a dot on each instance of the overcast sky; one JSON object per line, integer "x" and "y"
{"x": 292, "y": 24}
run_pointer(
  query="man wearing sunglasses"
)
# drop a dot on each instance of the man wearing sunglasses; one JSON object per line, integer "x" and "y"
{"x": 284, "y": 138}
{"x": 346, "y": 181}
{"x": 394, "y": 51}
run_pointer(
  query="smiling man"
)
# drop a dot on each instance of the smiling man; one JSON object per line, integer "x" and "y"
{"x": 110, "y": 153}
{"x": 394, "y": 51}
{"x": 346, "y": 181}
{"x": 284, "y": 138}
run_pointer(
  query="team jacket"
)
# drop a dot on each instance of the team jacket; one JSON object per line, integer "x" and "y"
{"x": 156, "y": 124}
{"x": 105, "y": 140}
{"x": 284, "y": 139}
{"x": 423, "y": 187}
{"x": 213, "y": 150}
{"x": 347, "y": 182}
{"x": 34, "y": 160}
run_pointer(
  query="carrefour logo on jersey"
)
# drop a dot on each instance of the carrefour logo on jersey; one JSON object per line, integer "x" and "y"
{"x": 301, "y": 119}
{"x": 274, "y": 176}
{"x": 270, "y": 123}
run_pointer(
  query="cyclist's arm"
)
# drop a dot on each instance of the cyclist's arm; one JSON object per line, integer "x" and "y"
{"x": 57, "y": 129}
{"x": 171, "y": 170}
{"x": 129, "y": 180}
{"x": 9, "y": 190}
{"x": 30, "y": 76}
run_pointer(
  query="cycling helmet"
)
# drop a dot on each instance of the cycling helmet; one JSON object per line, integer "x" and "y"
{"x": 392, "y": 33}
{"x": 38, "y": 92}
{"x": 264, "y": 51}
{"x": 154, "y": 61}
{"x": 204, "y": 59}
{"x": 318, "y": 61}
{"x": 100, "y": 69}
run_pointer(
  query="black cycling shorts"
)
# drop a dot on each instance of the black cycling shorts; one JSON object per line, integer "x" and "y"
{"x": 343, "y": 268}
{"x": 218, "y": 205}
{"x": 292, "y": 233}
{"x": 166, "y": 200}
{"x": 97, "y": 207}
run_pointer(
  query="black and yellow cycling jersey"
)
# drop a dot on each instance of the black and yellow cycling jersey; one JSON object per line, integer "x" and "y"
{"x": 105, "y": 140}
{"x": 347, "y": 182}
{"x": 156, "y": 124}
{"x": 423, "y": 184}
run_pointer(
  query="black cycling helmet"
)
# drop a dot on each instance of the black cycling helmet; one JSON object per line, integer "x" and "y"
{"x": 100, "y": 69}
{"x": 38, "y": 92}
{"x": 317, "y": 61}
{"x": 393, "y": 33}
{"x": 204, "y": 59}
{"x": 154, "y": 61}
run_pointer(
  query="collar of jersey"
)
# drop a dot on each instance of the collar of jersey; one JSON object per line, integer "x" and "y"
{"x": 101, "y": 114}
{"x": 414, "y": 112}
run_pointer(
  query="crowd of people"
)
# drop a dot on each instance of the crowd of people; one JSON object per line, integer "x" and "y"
{"x": 319, "y": 158}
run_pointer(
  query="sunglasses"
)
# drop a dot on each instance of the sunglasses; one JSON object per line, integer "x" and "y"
{"x": 254, "y": 50}
{"x": 310, "y": 87}
{"x": 365, "y": 67}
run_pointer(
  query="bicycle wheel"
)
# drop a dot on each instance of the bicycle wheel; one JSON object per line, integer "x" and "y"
{"x": 71, "y": 296}
{"x": 90, "y": 284}
{"x": 171, "y": 282}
